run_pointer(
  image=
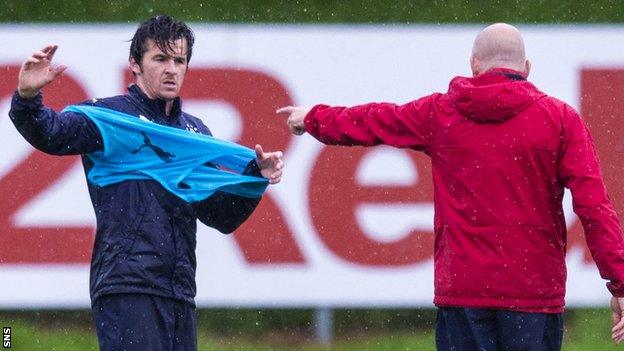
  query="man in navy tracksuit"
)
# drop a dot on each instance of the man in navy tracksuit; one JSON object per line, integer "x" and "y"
{"x": 143, "y": 265}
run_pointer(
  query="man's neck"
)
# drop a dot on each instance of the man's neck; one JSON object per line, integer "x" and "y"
{"x": 168, "y": 103}
{"x": 168, "y": 107}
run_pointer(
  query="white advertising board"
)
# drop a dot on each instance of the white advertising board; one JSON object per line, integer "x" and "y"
{"x": 347, "y": 226}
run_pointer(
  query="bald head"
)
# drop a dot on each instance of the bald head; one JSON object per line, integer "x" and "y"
{"x": 499, "y": 45}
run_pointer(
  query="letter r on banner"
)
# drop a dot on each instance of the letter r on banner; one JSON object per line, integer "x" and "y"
{"x": 29, "y": 178}
{"x": 265, "y": 238}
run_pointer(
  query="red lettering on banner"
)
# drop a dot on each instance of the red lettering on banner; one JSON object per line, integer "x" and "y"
{"x": 36, "y": 245}
{"x": 265, "y": 238}
{"x": 602, "y": 107}
{"x": 335, "y": 195}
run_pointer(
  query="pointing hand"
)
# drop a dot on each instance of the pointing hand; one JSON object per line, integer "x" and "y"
{"x": 296, "y": 116}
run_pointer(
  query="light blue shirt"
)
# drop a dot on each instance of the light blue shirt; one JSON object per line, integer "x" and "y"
{"x": 135, "y": 149}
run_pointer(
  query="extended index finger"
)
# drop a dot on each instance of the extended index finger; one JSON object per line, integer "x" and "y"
{"x": 287, "y": 109}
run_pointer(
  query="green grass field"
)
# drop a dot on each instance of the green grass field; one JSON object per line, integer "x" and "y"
{"x": 283, "y": 330}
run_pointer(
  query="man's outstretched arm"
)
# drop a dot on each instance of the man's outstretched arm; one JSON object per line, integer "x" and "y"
{"x": 42, "y": 127}
{"x": 226, "y": 212}
{"x": 370, "y": 124}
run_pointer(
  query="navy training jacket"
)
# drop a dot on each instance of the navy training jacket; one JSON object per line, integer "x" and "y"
{"x": 146, "y": 236}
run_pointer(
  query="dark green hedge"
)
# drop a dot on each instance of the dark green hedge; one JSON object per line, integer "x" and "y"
{"x": 316, "y": 11}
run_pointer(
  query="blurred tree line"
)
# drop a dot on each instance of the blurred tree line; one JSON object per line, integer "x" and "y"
{"x": 316, "y": 11}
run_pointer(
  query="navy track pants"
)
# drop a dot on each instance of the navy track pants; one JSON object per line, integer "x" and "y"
{"x": 128, "y": 322}
{"x": 472, "y": 329}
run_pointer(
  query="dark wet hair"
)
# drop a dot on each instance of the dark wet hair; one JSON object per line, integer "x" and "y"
{"x": 163, "y": 30}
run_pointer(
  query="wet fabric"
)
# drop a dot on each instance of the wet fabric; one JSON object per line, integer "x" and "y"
{"x": 190, "y": 165}
{"x": 145, "y": 236}
{"x": 144, "y": 322}
{"x": 473, "y": 329}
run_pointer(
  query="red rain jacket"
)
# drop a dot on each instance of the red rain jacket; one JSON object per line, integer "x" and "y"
{"x": 502, "y": 152}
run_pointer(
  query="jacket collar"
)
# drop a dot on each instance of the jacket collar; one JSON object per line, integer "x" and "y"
{"x": 494, "y": 96}
{"x": 156, "y": 107}
{"x": 507, "y": 73}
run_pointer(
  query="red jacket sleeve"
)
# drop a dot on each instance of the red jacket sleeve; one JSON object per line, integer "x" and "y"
{"x": 405, "y": 126}
{"x": 579, "y": 171}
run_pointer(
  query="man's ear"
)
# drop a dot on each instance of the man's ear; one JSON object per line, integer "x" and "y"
{"x": 474, "y": 66}
{"x": 134, "y": 66}
{"x": 527, "y": 68}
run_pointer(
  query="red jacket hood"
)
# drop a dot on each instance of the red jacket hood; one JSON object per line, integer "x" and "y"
{"x": 494, "y": 96}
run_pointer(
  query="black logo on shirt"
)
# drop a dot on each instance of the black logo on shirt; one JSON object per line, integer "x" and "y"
{"x": 162, "y": 154}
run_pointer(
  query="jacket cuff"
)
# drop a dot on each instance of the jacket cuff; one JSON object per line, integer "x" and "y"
{"x": 310, "y": 123}
{"x": 252, "y": 169}
{"x": 34, "y": 101}
{"x": 616, "y": 288}
{"x": 19, "y": 103}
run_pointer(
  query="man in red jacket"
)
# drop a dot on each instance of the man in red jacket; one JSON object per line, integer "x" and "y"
{"x": 502, "y": 152}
